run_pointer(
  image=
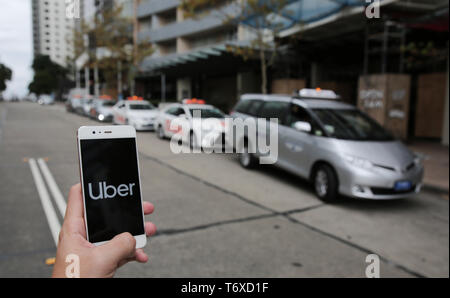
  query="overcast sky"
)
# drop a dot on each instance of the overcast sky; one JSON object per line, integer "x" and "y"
{"x": 16, "y": 49}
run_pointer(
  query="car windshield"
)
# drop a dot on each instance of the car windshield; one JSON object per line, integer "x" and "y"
{"x": 108, "y": 103}
{"x": 141, "y": 107}
{"x": 351, "y": 124}
{"x": 207, "y": 113}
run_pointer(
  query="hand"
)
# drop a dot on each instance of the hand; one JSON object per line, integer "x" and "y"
{"x": 100, "y": 261}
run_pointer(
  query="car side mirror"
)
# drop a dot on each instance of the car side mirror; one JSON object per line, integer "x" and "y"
{"x": 303, "y": 126}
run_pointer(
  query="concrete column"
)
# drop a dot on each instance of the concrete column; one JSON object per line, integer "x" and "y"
{"x": 163, "y": 87}
{"x": 96, "y": 83}
{"x": 445, "y": 128}
{"x": 119, "y": 79}
{"x": 183, "y": 45}
{"x": 183, "y": 88}
{"x": 86, "y": 80}
{"x": 315, "y": 75}
{"x": 77, "y": 78}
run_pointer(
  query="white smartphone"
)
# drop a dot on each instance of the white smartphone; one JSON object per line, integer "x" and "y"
{"x": 110, "y": 179}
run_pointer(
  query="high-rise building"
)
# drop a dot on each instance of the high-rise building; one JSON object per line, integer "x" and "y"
{"x": 52, "y": 31}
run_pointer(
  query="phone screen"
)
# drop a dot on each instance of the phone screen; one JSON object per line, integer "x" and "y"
{"x": 111, "y": 188}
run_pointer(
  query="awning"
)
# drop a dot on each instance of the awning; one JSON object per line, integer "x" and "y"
{"x": 153, "y": 64}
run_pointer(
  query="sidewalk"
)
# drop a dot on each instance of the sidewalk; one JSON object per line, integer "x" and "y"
{"x": 435, "y": 163}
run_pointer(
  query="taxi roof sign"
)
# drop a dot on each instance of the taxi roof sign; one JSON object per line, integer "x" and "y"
{"x": 318, "y": 93}
{"x": 134, "y": 97}
{"x": 194, "y": 101}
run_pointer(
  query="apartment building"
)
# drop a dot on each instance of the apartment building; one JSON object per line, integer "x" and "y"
{"x": 190, "y": 56}
{"x": 52, "y": 31}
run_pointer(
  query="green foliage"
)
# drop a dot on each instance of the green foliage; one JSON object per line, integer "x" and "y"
{"x": 47, "y": 75}
{"x": 5, "y": 75}
{"x": 114, "y": 33}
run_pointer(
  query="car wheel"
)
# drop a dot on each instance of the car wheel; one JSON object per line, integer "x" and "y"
{"x": 160, "y": 132}
{"x": 325, "y": 183}
{"x": 246, "y": 159}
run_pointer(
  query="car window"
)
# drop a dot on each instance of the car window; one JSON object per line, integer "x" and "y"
{"x": 349, "y": 124}
{"x": 206, "y": 113}
{"x": 274, "y": 109}
{"x": 243, "y": 106}
{"x": 141, "y": 107}
{"x": 172, "y": 110}
{"x": 254, "y": 107}
{"x": 176, "y": 111}
{"x": 108, "y": 103}
{"x": 297, "y": 113}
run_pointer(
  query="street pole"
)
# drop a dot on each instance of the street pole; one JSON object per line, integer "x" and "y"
{"x": 163, "y": 87}
{"x": 96, "y": 84}
{"x": 77, "y": 77}
{"x": 135, "y": 33}
{"x": 119, "y": 79}
{"x": 86, "y": 80}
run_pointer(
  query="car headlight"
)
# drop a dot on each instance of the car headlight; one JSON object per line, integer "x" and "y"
{"x": 101, "y": 117}
{"x": 358, "y": 162}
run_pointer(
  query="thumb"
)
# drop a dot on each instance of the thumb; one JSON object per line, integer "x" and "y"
{"x": 121, "y": 247}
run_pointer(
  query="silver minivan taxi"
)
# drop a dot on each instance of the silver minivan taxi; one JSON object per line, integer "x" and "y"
{"x": 340, "y": 149}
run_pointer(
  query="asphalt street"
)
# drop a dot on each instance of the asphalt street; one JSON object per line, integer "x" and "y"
{"x": 214, "y": 218}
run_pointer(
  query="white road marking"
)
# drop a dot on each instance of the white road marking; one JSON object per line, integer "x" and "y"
{"x": 54, "y": 189}
{"x": 49, "y": 211}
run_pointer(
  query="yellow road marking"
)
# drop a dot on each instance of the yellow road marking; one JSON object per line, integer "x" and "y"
{"x": 50, "y": 261}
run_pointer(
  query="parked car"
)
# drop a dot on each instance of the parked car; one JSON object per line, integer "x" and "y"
{"x": 209, "y": 133}
{"x": 333, "y": 144}
{"x": 87, "y": 105}
{"x": 73, "y": 103}
{"x": 138, "y": 113}
{"x": 102, "y": 110}
{"x": 46, "y": 99}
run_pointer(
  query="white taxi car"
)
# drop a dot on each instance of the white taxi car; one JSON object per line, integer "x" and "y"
{"x": 135, "y": 112}
{"x": 194, "y": 122}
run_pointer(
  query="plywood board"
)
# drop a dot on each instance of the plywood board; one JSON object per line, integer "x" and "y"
{"x": 372, "y": 96}
{"x": 287, "y": 86}
{"x": 430, "y": 105}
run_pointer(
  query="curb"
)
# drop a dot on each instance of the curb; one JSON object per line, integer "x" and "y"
{"x": 435, "y": 189}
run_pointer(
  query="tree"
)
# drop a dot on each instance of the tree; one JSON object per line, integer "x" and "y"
{"x": 260, "y": 15}
{"x": 48, "y": 76}
{"x": 113, "y": 34}
{"x": 5, "y": 75}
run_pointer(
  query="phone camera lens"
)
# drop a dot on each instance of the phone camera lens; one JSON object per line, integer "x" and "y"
{"x": 93, "y": 132}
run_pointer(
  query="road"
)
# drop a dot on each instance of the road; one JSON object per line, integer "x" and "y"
{"x": 214, "y": 218}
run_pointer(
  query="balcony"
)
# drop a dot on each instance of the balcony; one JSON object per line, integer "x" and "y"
{"x": 190, "y": 26}
{"x": 150, "y": 7}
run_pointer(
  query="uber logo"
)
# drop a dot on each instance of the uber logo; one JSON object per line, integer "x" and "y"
{"x": 110, "y": 191}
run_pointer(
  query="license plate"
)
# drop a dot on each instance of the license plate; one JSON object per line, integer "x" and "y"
{"x": 402, "y": 185}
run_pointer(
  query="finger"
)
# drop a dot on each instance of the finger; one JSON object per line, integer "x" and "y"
{"x": 150, "y": 229}
{"x": 118, "y": 249}
{"x": 74, "y": 203}
{"x": 148, "y": 208}
{"x": 141, "y": 256}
